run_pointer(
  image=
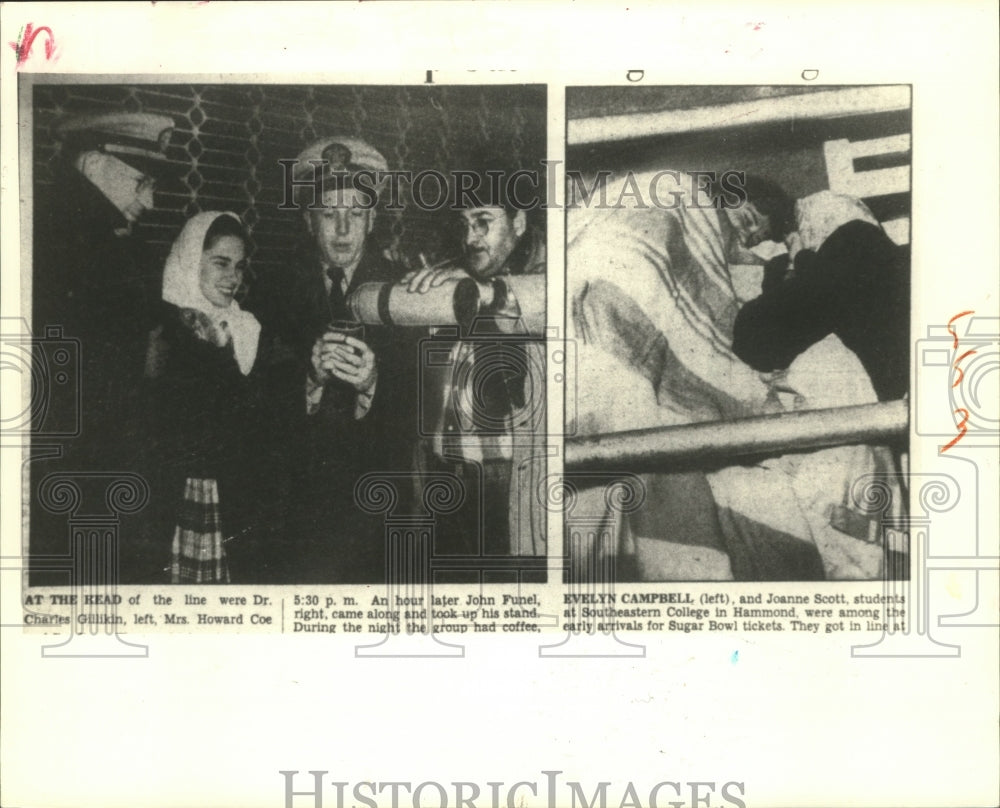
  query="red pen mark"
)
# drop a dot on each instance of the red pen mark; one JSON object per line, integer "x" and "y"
{"x": 952, "y": 330}
{"x": 22, "y": 48}
{"x": 961, "y": 373}
{"x": 962, "y": 429}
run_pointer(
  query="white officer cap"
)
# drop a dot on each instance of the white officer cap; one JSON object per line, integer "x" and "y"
{"x": 343, "y": 155}
{"x": 137, "y": 138}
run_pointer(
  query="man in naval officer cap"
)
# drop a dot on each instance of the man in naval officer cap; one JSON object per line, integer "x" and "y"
{"x": 93, "y": 278}
{"x": 359, "y": 408}
{"x": 91, "y": 274}
{"x": 121, "y": 154}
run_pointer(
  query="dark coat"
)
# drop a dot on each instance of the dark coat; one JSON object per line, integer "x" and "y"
{"x": 99, "y": 285}
{"x": 206, "y": 419}
{"x": 330, "y": 450}
{"x": 857, "y": 286}
{"x": 94, "y": 286}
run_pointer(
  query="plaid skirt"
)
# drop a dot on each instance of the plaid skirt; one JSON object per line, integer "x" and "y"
{"x": 198, "y": 554}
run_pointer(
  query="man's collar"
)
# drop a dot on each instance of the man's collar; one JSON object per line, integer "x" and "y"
{"x": 349, "y": 272}
{"x": 112, "y": 177}
{"x": 524, "y": 255}
{"x": 90, "y": 202}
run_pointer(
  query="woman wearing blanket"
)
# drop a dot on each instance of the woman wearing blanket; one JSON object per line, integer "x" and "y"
{"x": 654, "y": 304}
{"x": 843, "y": 284}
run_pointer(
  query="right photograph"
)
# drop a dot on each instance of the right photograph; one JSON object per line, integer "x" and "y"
{"x": 738, "y": 296}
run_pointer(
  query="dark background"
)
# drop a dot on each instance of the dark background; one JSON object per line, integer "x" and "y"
{"x": 228, "y": 139}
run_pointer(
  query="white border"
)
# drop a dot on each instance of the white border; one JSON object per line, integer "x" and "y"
{"x": 209, "y": 721}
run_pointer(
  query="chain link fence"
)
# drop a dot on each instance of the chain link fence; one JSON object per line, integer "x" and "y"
{"x": 229, "y": 138}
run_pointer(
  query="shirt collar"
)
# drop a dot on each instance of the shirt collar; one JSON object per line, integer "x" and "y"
{"x": 348, "y": 271}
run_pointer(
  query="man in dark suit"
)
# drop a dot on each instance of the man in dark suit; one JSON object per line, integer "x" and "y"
{"x": 93, "y": 279}
{"x": 92, "y": 275}
{"x": 358, "y": 404}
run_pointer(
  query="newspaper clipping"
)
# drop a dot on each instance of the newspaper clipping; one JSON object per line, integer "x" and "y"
{"x": 618, "y": 363}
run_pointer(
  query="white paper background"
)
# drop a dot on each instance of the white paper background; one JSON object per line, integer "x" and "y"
{"x": 209, "y": 721}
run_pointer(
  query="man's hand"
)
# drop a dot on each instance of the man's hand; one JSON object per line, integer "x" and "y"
{"x": 347, "y": 358}
{"x": 422, "y": 280}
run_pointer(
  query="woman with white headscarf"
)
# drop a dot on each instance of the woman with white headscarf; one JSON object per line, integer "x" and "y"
{"x": 209, "y": 411}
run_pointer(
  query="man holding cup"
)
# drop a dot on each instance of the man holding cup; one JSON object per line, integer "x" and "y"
{"x": 339, "y": 226}
{"x": 348, "y": 376}
{"x": 341, "y": 360}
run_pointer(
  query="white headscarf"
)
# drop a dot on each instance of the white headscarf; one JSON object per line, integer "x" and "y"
{"x": 181, "y": 286}
{"x": 818, "y": 215}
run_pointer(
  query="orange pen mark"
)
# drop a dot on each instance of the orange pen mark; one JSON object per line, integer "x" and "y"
{"x": 952, "y": 330}
{"x": 962, "y": 429}
{"x": 22, "y": 48}
{"x": 961, "y": 373}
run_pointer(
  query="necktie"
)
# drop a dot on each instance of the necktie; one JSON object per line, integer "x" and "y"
{"x": 337, "y": 301}
{"x": 340, "y": 395}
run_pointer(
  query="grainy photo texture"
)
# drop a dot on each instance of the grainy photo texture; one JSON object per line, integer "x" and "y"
{"x": 295, "y": 333}
{"x": 738, "y": 290}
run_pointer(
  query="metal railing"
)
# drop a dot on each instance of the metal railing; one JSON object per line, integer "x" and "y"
{"x": 647, "y": 450}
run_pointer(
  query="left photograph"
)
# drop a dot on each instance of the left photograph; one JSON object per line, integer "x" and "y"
{"x": 285, "y": 334}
